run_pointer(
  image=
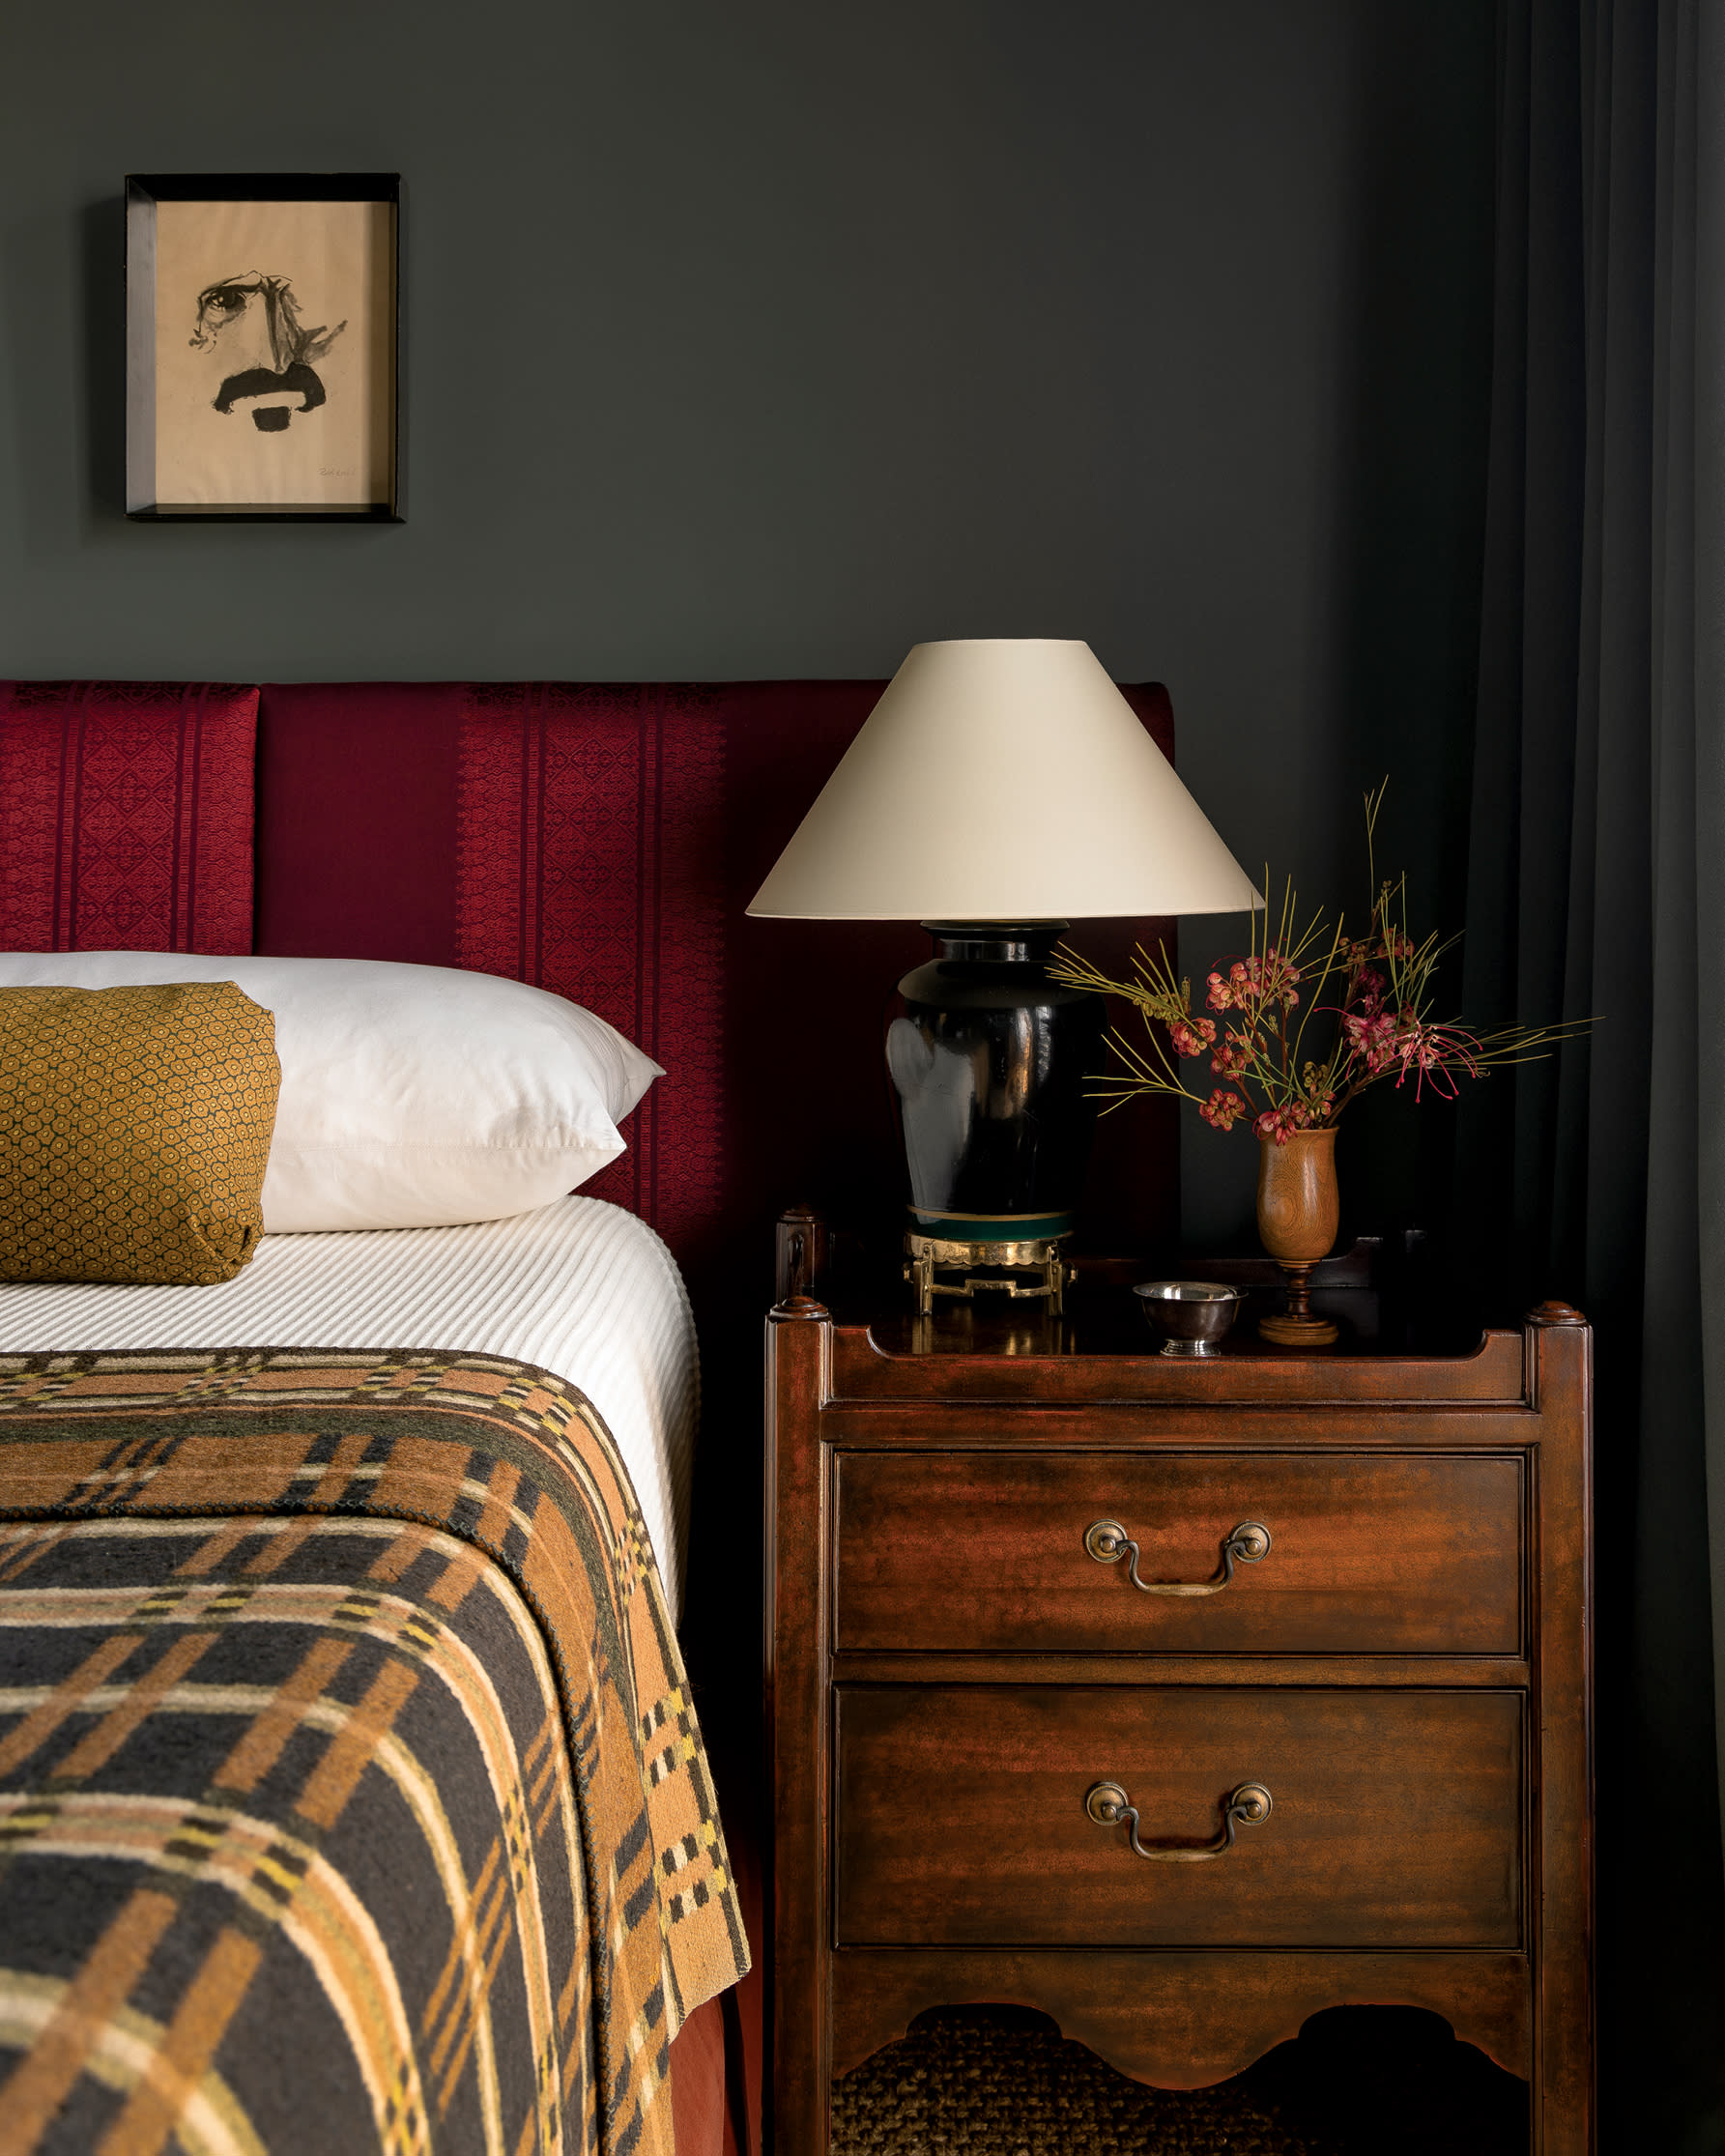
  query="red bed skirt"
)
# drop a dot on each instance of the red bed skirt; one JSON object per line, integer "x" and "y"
{"x": 718, "y": 2060}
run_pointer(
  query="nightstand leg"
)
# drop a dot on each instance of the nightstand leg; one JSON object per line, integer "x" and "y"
{"x": 799, "y": 1973}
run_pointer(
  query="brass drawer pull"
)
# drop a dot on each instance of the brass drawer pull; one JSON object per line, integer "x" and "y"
{"x": 1107, "y": 1541}
{"x": 1249, "y": 1805}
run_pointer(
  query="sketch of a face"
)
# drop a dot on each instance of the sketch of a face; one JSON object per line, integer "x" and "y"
{"x": 253, "y": 322}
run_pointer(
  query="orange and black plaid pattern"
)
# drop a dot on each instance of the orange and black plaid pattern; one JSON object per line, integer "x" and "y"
{"x": 350, "y": 1797}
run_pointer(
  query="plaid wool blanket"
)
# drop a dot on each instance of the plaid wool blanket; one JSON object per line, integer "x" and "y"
{"x": 351, "y": 1795}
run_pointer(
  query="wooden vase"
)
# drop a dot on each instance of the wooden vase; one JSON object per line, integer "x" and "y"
{"x": 1299, "y": 1208}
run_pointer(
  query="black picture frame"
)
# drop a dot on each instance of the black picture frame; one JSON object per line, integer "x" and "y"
{"x": 145, "y": 193}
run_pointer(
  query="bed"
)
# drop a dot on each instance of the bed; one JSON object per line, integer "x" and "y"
{"x": 559, "y": 1345}
{"x": 351, "y": 1792}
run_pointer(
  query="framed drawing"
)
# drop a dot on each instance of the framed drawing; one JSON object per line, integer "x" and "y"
{"x": 261, "y": 374}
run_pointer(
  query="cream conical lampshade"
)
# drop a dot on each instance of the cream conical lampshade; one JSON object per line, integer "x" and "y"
{"x": 1003, "y": 779}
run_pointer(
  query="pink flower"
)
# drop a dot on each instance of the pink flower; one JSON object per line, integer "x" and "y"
{"x": 1223, "y": 1109}
{"x": 1191, "y": 1037}
{"x": 1233, "y": 1054}
{"x": 1426, "y": 1054}
{"x": 1281, "y": 1122}
{"x": 1251, "y": 982}
{"x": 1371, "y": 1035}
{"x": 1279, "y": 978}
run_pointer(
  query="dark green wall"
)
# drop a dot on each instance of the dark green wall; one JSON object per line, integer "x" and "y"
{"x": 766, "y": 340}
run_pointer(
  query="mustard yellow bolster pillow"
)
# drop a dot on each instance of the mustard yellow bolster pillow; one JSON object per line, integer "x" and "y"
{"x": 135, "y": 1132}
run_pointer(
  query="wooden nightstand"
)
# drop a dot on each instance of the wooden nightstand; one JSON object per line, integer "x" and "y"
{"x": 1358, "y": 1758}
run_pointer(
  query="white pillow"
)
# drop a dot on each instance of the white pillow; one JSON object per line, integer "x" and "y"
{"x": 411, "y": 1096}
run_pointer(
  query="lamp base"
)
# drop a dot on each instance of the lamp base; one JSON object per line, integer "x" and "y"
{"x": 1032, "y": 1269}
{"x": 991, "y": 1062}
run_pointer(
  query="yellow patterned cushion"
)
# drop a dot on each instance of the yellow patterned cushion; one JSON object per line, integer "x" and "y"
{"x": 135, "y": 1132}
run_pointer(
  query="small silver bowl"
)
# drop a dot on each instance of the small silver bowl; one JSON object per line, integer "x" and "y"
{"x": 1191, "y": 1316}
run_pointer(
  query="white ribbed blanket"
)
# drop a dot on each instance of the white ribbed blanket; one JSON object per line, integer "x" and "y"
{"x": 579, "y": 1288}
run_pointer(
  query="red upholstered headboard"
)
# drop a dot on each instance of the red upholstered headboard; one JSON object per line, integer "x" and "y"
{"x": 599, "y": 841}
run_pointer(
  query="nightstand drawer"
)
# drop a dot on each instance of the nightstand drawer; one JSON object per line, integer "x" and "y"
{"x": 1395, "y": 1817}
{"x": 1368, "y": 1553}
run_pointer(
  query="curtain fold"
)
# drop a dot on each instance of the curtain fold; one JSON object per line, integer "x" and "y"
{"x": 1700, "y": 607}
{"x": 1596, "y": 886}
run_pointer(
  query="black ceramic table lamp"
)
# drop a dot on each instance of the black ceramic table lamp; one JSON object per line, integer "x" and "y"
{"x": 1000, "y": 789}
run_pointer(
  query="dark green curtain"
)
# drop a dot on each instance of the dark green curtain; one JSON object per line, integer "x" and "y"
{"x": 1597, "y": 884}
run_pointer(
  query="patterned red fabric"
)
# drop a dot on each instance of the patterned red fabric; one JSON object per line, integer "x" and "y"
{"x": 126, "y": 816}
{"x": 589, "y": 861}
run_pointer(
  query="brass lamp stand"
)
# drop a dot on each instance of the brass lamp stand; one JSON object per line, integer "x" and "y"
{"x": 1022, "y": 1272}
